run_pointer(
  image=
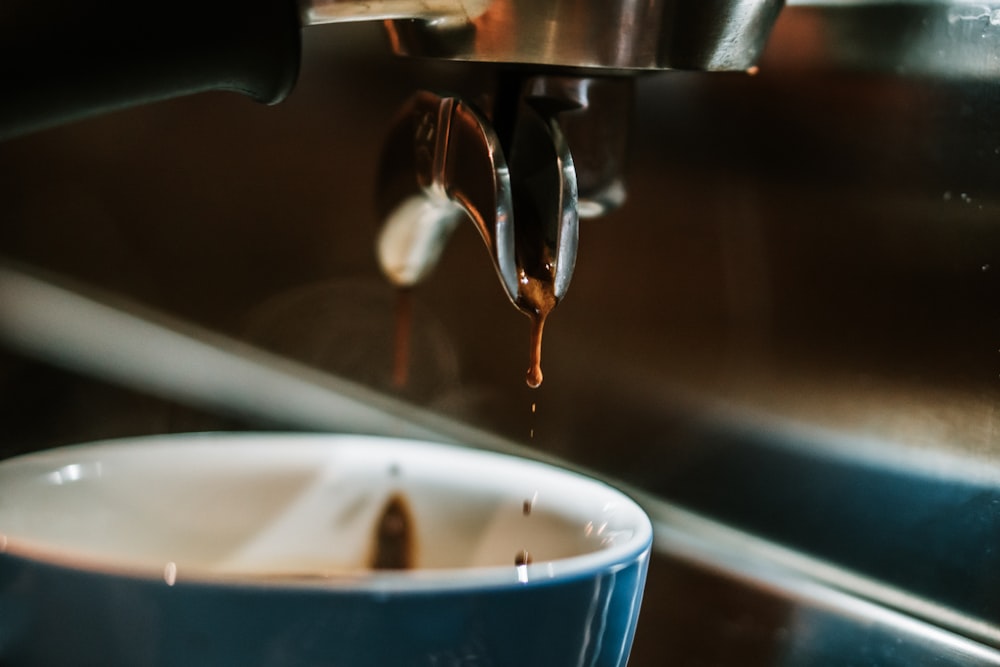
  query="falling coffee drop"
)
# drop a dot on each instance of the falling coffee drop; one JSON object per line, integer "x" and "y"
{"x": 543, "y": 194}
{"x": 536, "y": 297}
{"x": 393, "y": 539}
{"x": 522, "y": 557}
{"x": 535, "y": 377}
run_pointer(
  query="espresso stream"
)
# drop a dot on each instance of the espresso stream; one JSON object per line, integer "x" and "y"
{"x": 536, "y": 298}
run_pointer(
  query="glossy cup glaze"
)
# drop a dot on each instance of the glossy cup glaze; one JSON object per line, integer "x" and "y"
{"x": 255, "y": 550}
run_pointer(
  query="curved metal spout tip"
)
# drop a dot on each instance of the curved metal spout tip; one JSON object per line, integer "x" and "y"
{"x": 444, "y": 161}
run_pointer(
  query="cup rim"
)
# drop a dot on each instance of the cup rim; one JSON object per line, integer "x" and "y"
{"x": 608, "y": 559}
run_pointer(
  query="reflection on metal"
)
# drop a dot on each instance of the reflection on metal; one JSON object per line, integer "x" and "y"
{"x": 444, "y": 152}
{"x": 607, "y": 34}
{"x": 317, "y": 12}
{"x": 444, "y": 157}
{"x": 133, "y": 347}
{"x": 788, "y": 611}
{"x": 958, "y": 39}
{"x": 823, "y": 587}
{"x": 594, "y": 115}
{"x": 896, "y": 527}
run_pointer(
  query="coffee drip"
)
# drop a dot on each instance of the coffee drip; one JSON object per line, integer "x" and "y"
{"x": 509, "y": 172}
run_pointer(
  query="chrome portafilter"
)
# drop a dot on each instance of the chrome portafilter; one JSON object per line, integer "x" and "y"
{"x": 445, "y": 160}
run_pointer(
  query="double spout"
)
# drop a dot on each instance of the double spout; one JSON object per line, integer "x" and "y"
{"x": 507, "y": 165}
{"x": 510, "y": 172}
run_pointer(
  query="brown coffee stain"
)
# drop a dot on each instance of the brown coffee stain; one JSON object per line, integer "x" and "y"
{"x": 394, "y": 544}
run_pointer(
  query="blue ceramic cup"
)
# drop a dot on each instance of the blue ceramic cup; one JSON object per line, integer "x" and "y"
{"x": 288, "y": 550}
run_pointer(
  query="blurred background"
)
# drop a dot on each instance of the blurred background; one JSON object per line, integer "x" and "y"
{"x": 790, "y": 330}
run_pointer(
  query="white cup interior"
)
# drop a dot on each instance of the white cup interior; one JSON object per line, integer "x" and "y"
{"x": 302, "y": 506}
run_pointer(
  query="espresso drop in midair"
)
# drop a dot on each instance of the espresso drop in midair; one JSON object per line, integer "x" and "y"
{"x": 534, "y": 376}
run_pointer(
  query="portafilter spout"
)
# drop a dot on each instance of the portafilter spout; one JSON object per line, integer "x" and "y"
{"x": 513, "y": 177}
{"x": 445, "y": 160}
{"x": 511, "y": 170}
{"x": 442, "y": 162}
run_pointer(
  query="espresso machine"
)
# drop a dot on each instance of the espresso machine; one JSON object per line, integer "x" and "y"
{"x": 782, "y": 330}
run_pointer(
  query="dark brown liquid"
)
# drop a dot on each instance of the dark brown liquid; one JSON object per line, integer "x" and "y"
{"x": 401, "y": 338}
{"x": 536, "y": 298}
{"x": 526, "y": 507}
{"x": 522, "y": 557}
{"x": 535, "y": 376}
{"x": 394, "y": 540}
{"x": 535, "y": 174}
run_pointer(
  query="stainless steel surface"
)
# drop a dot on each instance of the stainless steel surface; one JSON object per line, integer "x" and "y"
{"x": 443, "y": 157}
{"x": 699, "y": 613}
{"x": 621, "y": 35}
{"x": 828, "y": 499}
{"x": 956, "y": 38}
{"x": 319, "y": 12}
{"x": 940, "y": 38}
{"x": 594, "y": 115}
{"x": 545, "y": 192}
{"x": 146, "y": 351}
{"x": 764, "y": 605}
